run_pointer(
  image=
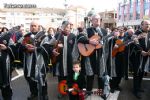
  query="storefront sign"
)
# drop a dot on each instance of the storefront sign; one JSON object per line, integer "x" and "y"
{"x": 19, "y": 5}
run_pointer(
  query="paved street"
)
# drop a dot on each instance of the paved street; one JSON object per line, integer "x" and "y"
{"x": 21, "y": 90}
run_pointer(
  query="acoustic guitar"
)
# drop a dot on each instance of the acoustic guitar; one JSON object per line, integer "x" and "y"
{"x": 63, "y": 89}
{"x": 77, "y": 90}
{"x": 87, "y": 49}
{"x": 122, "y": 45}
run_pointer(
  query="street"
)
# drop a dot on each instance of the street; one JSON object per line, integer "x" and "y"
{"x": 21, "y": 89}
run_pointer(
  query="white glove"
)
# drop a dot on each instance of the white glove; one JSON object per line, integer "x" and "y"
{"x": 84, "y": 89}
{"x": 71, "y": 89}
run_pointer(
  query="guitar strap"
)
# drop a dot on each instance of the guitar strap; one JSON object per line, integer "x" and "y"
{"x": 98, "y": 29}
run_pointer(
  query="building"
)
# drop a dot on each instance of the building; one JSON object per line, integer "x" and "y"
{"x": 76, "y": 15}
{"x": 108, "y": 19}
{"x": 12, "y": 16}
{"x": 132, "y": 12}
{"x": 46, "y": 16}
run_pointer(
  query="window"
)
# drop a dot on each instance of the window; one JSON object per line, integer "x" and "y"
{"x": 146, "y": 7}
{"x": 138, "y": 3}
{"x": 131, "y": 10}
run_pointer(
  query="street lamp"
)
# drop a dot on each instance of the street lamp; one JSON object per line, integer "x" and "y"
{"x": 65, "y": 5}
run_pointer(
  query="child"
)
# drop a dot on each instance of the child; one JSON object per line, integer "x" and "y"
{"x": 76, "y": 78}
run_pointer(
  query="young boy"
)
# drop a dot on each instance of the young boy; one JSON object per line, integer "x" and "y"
{"x": 76, "y": 78}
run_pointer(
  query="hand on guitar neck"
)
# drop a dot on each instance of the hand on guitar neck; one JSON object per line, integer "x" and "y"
{"x": 3, "y": 47}
{"x": 148, "y": 53}
{"x": 56, "y": 51}
{"x": 144, "y": 53}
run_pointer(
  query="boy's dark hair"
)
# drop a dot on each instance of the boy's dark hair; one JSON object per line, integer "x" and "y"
{"x": 76, "y": 62}
{"x": 142, "y": 22}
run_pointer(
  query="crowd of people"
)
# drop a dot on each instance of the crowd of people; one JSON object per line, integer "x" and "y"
{"x": 76, "y": 55}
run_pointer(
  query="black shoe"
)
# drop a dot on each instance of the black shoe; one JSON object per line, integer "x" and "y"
{"x": 137, "y": 95}
{"x": 45, "y": 97}
{"x": 112, "y": 90}
{"x": 118, "y": 88}
{"x": 7, "y": 98}
{"x": 104, "y": 97}
{"x": 126, "y": 78}
{"x": 141, "y": 90}
{"x": 60, "y": 96}
{"x": 32, "y": 97}
{"x": 89, "y": 93}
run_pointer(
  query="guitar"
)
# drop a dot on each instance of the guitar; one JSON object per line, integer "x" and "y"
{"x": 76, "y": 91}
{"x": 87, "y": 49}
{"x": 121, "y": 44}
{"x": 63, "y": 89}
{"x": 57, "y": 48}
{"x": 5, "y": 36}
{"x": 31, "y": 41}
{"x": 121, "y": 47}
{"x": 83, "y": 94}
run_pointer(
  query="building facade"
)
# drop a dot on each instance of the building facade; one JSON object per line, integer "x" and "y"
{"x": 48, "y": 17}
{"x": 132, "y": 12}
{"x": 108, "y": 19}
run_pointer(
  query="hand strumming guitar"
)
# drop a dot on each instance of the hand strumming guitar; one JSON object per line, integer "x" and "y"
{"x": 30, "y": 47}
{"x": 3, "y": 47}
{"x": 116, "y": 46}
{"x": 55, "y": 52}
{"x": 93, "y": 42}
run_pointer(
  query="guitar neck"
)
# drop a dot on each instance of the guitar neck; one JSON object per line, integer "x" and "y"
{"x": 126, "y": 42}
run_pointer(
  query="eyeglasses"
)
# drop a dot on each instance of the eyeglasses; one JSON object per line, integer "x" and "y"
{"x": 120, "y": 29}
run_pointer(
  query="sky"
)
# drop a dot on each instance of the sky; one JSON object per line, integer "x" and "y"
{"x": 98, "y": 5}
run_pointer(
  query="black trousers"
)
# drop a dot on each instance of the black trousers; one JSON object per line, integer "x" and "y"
{"x": 33, "y": 85}
{"x": 137, "y": 80}
{"x": 73, "y": 97}
{"x": 60, "y": 78}
{"x": 114, "y": 83}
{"x": 90, "y": 80}
{"x": 7, "y": 92}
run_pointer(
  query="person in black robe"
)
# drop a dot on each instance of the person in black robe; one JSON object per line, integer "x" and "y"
{"x": 142, "y": 57}
{"x": 7, "y": 57}
{"x": 92, "y": 64}
{"x": 65, "y": 42}
{"x": 119, "y": 60}
{"x": 129, "y": 40}
{"x": 36, "y": 52}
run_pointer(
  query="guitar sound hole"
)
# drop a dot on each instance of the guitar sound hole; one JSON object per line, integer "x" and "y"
{"x": 64, "y": 88}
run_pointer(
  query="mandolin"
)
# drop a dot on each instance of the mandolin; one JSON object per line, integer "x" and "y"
{"x": 57, "y": 49}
